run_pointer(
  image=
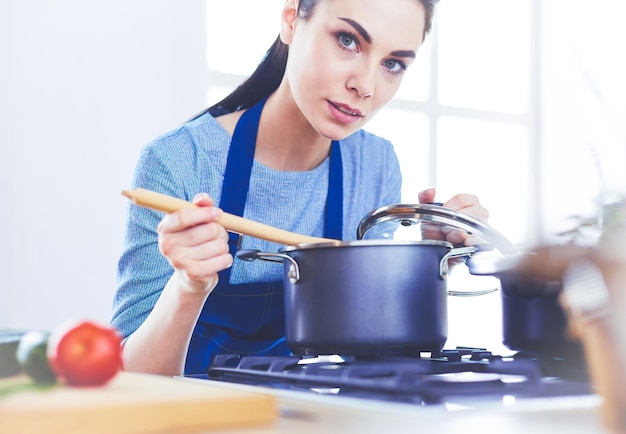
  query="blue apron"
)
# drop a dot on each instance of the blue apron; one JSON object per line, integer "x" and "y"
{"x": 248, "y": 319}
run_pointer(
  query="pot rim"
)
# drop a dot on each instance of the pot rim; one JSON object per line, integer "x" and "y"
{"x": 365, "y": 243}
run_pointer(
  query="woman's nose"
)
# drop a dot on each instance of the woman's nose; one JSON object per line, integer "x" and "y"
{"x": 362, "y": 82}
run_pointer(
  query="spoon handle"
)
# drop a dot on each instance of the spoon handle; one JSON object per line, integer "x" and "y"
{"x": 161, "y": 202}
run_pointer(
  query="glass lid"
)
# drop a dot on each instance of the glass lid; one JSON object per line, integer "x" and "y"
{"x": 429, "y": 222}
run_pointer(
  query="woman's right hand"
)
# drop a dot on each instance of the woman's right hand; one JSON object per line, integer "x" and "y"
{"x": 195, "y": 245}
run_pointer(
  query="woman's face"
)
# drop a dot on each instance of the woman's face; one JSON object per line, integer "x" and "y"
{"x": 347, "y": 60}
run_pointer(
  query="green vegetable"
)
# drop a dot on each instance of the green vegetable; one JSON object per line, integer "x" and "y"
{"x": 31, "y": 354}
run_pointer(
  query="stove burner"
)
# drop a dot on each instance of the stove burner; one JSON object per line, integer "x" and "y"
{"x": 476, "y": 377}
{"x": 428, "y": 379}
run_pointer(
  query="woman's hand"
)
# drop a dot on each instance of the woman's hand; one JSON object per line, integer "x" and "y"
{"x": 465, "y": 203}
{"x": 195, "y": 244}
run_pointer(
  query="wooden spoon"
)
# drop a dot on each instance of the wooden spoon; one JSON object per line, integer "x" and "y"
{"x": 232, "y": 223}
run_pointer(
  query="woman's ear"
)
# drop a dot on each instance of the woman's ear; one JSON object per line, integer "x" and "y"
{"x": 288, "y": 20}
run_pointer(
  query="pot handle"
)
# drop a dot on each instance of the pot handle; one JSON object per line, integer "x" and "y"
{"x": 444, "y": 268}
{"x": 472, "y": 293}
{"x": 252, "y": 255}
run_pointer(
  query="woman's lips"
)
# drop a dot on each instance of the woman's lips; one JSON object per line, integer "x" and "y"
{"x": 344, "y": 113}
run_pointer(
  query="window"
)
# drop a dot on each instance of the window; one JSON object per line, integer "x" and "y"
{"x": 461, "y": 120}
{"x": 512, "y": 101}
{"x": 584, "y": 103}
{"x": 238, "y": 35}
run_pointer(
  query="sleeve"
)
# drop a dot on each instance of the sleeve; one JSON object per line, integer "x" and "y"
{"x": 372, "y": 178}
{"x": 392, "y": 186}
{"x": 142, "y": 271}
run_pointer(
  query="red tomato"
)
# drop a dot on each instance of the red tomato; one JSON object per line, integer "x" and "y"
{"x": 85, "y": 353}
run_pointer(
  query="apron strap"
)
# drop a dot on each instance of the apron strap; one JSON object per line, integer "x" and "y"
{"x": 240, "y": 159}
{"x": 333, "y": 217}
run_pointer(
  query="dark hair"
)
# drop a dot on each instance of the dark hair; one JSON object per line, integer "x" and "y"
{"x": 268, "y": 75}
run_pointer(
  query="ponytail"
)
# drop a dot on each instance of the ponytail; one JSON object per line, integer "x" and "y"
{"x": 261, "y": 84}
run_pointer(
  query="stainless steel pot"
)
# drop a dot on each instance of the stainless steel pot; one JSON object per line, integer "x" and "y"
{"x": 366, "y": 297}
{"x": 533, "y": 319}
{"x": 370, "y": 296}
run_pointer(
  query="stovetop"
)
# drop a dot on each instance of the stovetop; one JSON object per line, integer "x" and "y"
{"x": 459, "y": 375}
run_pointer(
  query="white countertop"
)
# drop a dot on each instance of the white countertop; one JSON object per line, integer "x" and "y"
{"x": 304, "y": 412}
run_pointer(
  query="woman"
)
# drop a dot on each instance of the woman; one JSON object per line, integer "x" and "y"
{"x": 285, "y": 149}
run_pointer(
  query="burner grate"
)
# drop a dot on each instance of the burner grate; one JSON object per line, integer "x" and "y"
{"x": 463, "y": 372}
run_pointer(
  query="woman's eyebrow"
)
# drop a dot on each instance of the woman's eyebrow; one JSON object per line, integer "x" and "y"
{"x": 359, "y": 28}
{"x": 366, "y": 36}
{"x": 404, "y": 53}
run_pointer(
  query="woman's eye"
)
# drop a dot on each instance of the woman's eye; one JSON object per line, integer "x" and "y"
{"x": 394, "y": 66}
{"x": 347, "y": 41}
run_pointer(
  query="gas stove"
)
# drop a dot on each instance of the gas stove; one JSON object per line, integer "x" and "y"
{"x": 460, "y": 376}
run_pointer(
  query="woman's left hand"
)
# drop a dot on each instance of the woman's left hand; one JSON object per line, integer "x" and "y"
{"x": 465, "y": 203}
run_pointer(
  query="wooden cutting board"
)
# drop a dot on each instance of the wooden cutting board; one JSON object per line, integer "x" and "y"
{"x": 130, "y": 403}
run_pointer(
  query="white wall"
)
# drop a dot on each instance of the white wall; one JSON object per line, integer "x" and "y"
{"x": 83, "y": 86}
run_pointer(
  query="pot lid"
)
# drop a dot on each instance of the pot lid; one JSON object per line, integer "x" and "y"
{"x": 427, "y": 221}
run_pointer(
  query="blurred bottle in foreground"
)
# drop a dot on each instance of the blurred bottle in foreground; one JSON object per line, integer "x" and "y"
{"x": 594, "y": 298}
{"x": 594, "y": 295}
